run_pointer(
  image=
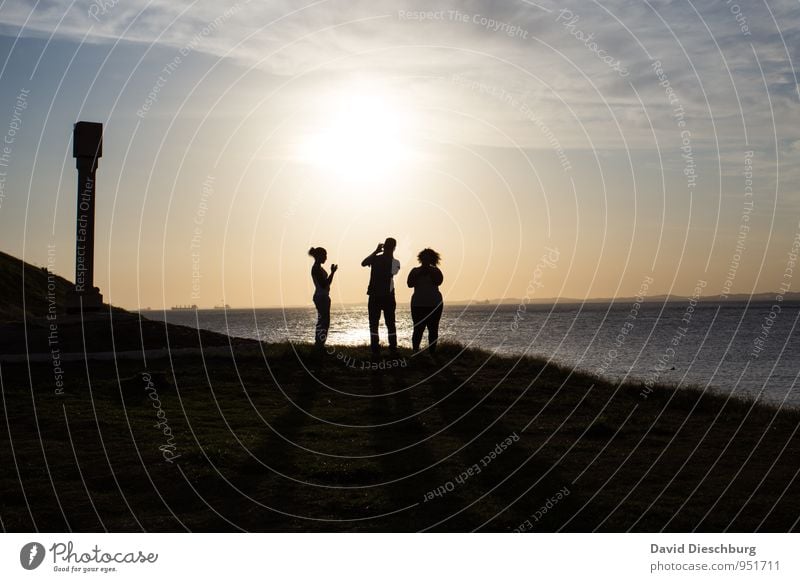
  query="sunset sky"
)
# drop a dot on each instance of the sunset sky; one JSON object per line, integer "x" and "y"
{"x": 239, "y": 134}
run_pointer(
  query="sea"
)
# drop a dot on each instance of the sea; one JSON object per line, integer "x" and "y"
{"x": 740, "y": 348}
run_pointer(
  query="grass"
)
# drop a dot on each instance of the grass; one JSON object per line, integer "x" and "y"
{"x": 278, "y": 438}
{"x": 24, "y": 289}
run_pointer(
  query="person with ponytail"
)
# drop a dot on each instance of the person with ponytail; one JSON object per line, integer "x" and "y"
{"x": 322, "y": 293}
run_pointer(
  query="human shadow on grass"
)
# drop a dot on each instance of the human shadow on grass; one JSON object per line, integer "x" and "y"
{"x": 273, "y": 472}
{"x": 411, "y": 464}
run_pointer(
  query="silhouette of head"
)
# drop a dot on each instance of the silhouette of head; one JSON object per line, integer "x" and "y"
{"x": 389, "y": 245}
{"x": 319, "y": 253}
{"x": 428, "y": 258}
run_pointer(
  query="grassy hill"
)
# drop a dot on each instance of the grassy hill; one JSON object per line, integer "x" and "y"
{"x": 274, "y": 439}
{"x": 28, "y": 294}
{"x": 24, "y": 289}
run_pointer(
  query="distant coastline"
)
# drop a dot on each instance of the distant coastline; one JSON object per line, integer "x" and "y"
{"x": 793, "y": 297}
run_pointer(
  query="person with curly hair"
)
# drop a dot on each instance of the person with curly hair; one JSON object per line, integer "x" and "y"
{"x": 426, "y": 302}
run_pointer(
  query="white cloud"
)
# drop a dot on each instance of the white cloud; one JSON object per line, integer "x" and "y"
{"x": 544, "y": 58}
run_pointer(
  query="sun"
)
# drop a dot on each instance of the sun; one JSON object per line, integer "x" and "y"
{"x": 365, "y": 138}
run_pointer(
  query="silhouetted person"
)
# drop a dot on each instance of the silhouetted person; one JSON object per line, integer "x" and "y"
{"x": 383, "y": 268}
{"x": 426, "y": 302}
{"x": 322, "y": 293}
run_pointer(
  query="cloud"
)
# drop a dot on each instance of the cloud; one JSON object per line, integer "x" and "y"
{"x": 555, "y": 56}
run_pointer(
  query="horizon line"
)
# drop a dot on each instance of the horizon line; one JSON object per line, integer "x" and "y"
{"x": 758, "y": 297}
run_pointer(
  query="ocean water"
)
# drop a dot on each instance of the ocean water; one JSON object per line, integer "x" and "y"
{"x": 735, "y": 347}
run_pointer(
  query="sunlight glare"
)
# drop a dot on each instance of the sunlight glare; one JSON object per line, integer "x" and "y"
{"x": 366, "y": 138}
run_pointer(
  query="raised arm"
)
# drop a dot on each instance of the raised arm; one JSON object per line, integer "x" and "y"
{"x": 334, "y": 268}
{"x": 368, "y": 261}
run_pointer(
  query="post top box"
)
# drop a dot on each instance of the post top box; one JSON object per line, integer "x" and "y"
{"x": 87, "y": 140}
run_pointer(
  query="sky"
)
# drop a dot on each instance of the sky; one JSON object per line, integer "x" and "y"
{"x": 570, "y": 149}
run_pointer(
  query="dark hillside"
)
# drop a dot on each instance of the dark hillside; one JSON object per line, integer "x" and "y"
{"x": 23, "y": 289}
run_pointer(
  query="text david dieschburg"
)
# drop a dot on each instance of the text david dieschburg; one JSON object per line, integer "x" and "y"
{"x": 701, "y": 549}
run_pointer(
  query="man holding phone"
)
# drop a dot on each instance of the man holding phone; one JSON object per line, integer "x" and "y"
{"x": 383, "y": 267}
